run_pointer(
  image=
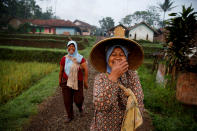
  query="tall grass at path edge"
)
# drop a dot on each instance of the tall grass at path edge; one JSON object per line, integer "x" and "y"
{"x": 16, "y": 113}
{"x": 166, "y": 112}
{"x": 17, "y": 76}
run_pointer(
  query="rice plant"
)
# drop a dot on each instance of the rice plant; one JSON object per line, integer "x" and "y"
{"x": 16, "y": 77}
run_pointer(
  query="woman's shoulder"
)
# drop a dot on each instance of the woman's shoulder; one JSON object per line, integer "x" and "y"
{"x": 132, "y": 72}
{"x": 62, "y": 61}
{"x": 63, "y": 57}
{"x": 101, "y": 76}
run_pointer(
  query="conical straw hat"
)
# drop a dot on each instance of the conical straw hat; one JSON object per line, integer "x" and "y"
{"x": 98, "y": 53}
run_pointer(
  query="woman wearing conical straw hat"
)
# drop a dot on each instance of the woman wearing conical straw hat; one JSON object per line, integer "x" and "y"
{"x": 117, "y": 94}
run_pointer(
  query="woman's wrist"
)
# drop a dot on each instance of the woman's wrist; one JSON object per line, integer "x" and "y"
{"x": 112, "y": 77}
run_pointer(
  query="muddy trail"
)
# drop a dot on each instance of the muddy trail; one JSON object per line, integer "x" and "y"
{"x": 52, "y": 114}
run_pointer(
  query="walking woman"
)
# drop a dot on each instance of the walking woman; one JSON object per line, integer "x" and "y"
{"x": 117, "y": 93}
{"x": 71, "y": 79}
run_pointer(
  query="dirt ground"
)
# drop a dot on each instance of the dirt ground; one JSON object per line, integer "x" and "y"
{"x": 52, "y": 114}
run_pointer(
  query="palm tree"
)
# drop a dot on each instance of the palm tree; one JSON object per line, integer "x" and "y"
{"x": 166, "y": 6}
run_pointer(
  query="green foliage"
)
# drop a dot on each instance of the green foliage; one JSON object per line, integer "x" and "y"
{"x": 143, "y": 41}
{"x": 152, "y": 45}
{"x": 166, "y": 6}
{"x": 150, "y": 48}
{"x": 166, "y": 112}
{"x": 23, "y": 28}
{"x": 150, "y": 16}
{"x": 106, "y": 23}
{"x": 46, "y": 15}
{"x": 181, "y": 34}
{"x": 15, "y": 77}
{"x": 16, "y": 113}
{"x": 23, "y": 9}
{"x": 126, "y": 21}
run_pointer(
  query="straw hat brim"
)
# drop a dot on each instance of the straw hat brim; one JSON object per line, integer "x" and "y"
{"x": 98, "y": 53}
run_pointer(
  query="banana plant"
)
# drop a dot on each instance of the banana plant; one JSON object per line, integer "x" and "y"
{"x": 181, "y": 38}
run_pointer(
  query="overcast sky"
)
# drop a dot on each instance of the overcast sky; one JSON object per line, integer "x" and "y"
{"x": 91, "y": 11}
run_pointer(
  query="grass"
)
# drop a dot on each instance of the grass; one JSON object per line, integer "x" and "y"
{"x": 166, "y": 112}
{"x": 88, "y": 48}
{"x": 15, "y": 77}
{"x": 85, "y": 52}
{"x": 152, "y": 45}
{"x": 44, "y": 35}
{"x": 15, "y": 113}
{"x": 32, "y": 48}
{"x": 148, "y": 61}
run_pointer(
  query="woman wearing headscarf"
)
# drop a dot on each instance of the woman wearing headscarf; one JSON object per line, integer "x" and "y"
{"x": 117, "y": 93}
{"x": 71, "y": 79}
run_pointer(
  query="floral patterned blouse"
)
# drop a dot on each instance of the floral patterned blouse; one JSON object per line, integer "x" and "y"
{"x": 110, "y": 101}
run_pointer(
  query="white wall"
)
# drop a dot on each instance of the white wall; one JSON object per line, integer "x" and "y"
{"x": 77, "y": 23}
{"x": 141, "y": 32}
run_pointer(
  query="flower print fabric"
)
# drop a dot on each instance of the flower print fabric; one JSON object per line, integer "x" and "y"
{"x": 110, "y": 101}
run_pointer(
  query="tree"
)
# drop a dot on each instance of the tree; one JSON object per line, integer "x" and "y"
{"x": 150, "y": 16}
{"x": 126, "y": 21}
{"x": 181, "y": 35}
{"x": 37, "y": 12}
{"x": 154, "y": 17}
{"x": 166, "y": 6}
{"x": 106, "y": 23}
{"x": 48, "y": 14}
{"x": 26, "y": 9}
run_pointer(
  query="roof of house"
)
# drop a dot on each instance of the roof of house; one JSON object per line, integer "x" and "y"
{"x": 83, "y": 24}
{"x": 117, "y": 26}
{"x": 144, "y": 23}
{"x": 50, "y": 22}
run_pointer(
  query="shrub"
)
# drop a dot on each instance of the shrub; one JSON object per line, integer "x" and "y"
{"x": 143, "y": 41}
{"x": 23, "y": 28}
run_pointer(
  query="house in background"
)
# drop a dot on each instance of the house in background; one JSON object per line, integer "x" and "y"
{"x": 142, "y": 31}
{"x": 161, "y": 36}
{"x": 86, "y": 29}
{"x": 51, "y": 26}
{"x": 119, "y": 30}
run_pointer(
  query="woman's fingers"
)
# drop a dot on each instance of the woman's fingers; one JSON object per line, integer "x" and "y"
{"x": 120, "y": 67}
{"x": 124, "y": 66}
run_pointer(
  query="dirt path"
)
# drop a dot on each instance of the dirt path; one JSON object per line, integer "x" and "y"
{"x": 52, "y": 113}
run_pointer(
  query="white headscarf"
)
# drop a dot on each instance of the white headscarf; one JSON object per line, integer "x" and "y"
{"x": 76, "y": 55}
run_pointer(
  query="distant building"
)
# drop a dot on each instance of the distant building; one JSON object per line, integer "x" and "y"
{"x": 51, "y": 26}
{"x": 142, "y": 31}
{"x": 119, "y": 30}
{"x": 86, "y": 29}
{"x": 161, "y": 35}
